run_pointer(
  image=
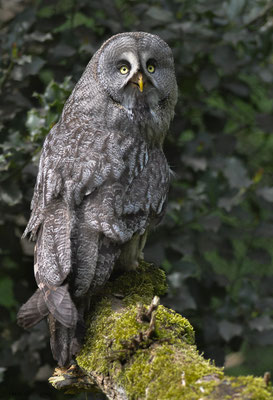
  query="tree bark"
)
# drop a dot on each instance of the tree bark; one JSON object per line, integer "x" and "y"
{"x": 138, "y": 349}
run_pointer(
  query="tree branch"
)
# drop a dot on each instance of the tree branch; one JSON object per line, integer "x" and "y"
{"x": 138, "y": 349}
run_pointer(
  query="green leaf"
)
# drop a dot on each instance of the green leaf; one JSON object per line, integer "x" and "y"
{"x": 235, "y": 8}
{"x": 34, "y": 67}
{"x": 228, "y": 330}
{"x": 78, "y": 19}
{"x": 236, "y": 173}
{"x": 7, "y": 298}
{"x": 47, "y": 12}
{"x": 34, "y": 122}
{"x": 159, "y": 14}
{"x": 266, "y": 193}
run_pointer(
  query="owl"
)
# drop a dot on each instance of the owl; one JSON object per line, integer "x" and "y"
{"x": 102, "y": 183}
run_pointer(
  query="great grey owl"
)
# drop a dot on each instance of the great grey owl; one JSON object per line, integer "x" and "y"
{"x": 102, "y": 183}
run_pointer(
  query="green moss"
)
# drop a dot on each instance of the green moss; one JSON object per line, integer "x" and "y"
{"x": 168, "y": 372}
{"x": 242, "y": 388}
{"x": 106, "y": 337}
{"x": 168, "y": 366}
{"x": 173, "y": 325}
{"x": 255, "y": 388}
{"x": 110, "y": 330}
{"x": 142, "y": 284}
{"x": 93, "y": 354}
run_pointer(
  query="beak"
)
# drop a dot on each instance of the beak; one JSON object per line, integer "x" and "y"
{"x": 140, "y": 81}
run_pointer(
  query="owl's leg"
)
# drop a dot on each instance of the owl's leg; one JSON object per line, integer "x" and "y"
{"x": 143, "y": 239}
{"x": 132, "y": 252}
{"x": 108, "y": 253}
{"x": 84, "y": 244}
{"x": 65, "y": 342}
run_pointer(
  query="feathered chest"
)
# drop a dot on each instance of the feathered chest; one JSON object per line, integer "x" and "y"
{"x": 115, "y": 175}
{"x": 75, "y": 162}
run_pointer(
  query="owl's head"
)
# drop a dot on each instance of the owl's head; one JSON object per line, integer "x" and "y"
{"x": 136, "y": 69}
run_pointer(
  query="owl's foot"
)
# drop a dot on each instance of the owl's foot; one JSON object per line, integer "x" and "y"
{"x": 72, "y": 380}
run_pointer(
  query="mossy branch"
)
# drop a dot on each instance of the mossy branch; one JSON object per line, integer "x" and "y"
{"x": 138, "y": 349}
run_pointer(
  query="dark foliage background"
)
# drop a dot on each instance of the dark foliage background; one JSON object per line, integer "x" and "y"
{"x": 216, "y": 242}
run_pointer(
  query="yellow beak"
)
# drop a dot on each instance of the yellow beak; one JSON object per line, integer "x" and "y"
{"x": 140, "y": 82}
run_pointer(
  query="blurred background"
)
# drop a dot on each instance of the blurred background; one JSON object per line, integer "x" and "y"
{"x": 216, "y": 242}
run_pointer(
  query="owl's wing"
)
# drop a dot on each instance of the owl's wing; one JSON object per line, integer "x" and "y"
{"x": 48, "y": 184}
{"x": 71, "y": 168}
{"x": 52, "y": 264}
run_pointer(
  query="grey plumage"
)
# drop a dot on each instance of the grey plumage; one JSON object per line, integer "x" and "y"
{"x": 102, "y": 183}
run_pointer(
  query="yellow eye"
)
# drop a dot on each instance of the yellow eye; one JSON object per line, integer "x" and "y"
{"x": 151, "y": 68}
{"x": 124, "y": 70}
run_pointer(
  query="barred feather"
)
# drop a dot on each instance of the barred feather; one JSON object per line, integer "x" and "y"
{"x": 102, "y": 183}
{"x": 33, "y": 311}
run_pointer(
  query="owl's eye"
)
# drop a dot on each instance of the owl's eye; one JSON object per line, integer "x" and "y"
{"x": 151, "y": 68}
{"x": 124, "y": 69}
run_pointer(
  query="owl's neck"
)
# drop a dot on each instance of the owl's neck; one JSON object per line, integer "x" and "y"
{"x": 137, "y": 120}
{"x": 142, "y": 123}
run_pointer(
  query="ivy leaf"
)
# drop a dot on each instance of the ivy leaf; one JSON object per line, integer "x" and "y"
{"x": 235, "y": 8}
{"x": 228, "y": 202}
{"x": 34, "y": 66}
{"x": 228, "y": 330}
{"x": 196, "y": 163}
{"x": 236, "y": 173}
{"x": 159, "y": 14}
{"x": 62, "y": 51}
{"x": 266, "y": 193}
{"x": 262, "y": 323}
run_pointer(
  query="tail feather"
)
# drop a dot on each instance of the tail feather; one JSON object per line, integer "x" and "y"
{"x": 33, "y": 311}
{"x": 61, "y": 306}
{"x": 66, "y": 326}
{"x": 56, "y": 301}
